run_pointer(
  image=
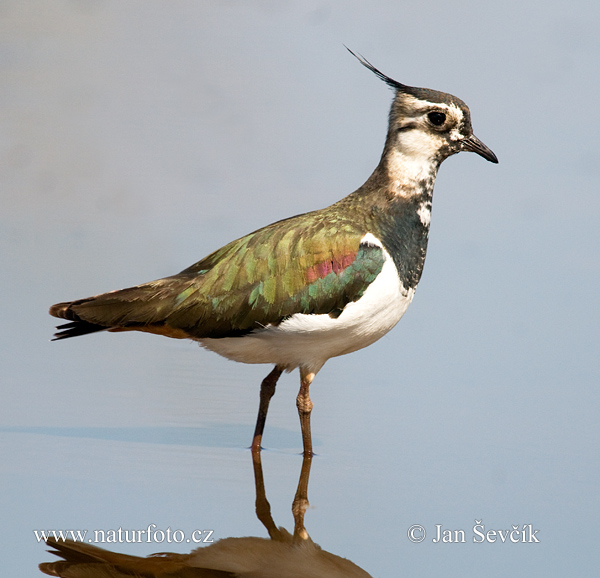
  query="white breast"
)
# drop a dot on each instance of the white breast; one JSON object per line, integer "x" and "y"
{"x": 310, "y": 340}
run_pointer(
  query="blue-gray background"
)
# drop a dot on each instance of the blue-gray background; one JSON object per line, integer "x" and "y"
{"x": 136, "y": 137}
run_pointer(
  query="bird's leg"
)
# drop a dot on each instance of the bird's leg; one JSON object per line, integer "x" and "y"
{"x": 267, "y": 390}
{"x": 305, "y": 405}
{"x": 300, "y": 504}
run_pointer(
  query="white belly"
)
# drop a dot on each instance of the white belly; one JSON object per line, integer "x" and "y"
{"x": 308, "y": 341}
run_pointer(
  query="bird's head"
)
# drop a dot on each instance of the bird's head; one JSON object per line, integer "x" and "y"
{"x": 428, "y": 124}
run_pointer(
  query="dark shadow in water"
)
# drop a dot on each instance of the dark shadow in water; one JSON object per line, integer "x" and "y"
{"x": 282, "y": 555}
{"x": 215, "y": 435}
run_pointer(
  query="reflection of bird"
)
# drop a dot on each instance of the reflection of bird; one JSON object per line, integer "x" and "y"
{"x": 227, "y": 558}
{"x": 283, "y": 555}
{"x": 314, "y": 286}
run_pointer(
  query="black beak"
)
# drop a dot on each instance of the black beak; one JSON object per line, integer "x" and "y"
{"x": 474, "y": 145}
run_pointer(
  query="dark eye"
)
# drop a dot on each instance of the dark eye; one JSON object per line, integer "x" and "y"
{"x": 436, "y": 118}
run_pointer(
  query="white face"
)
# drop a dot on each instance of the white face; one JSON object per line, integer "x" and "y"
{"x": 423, "y": 134}
{"x": 426, "y": 127}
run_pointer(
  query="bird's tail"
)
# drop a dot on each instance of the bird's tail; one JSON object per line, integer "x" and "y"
{"x": 142, "y": 308}
{"x": 80, "y": 559}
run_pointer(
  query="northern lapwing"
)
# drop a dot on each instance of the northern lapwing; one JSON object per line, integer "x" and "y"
{"x": 318, "y": 285}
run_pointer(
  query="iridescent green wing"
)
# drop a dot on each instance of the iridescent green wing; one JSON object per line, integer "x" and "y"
{"x": 307, "y": 264}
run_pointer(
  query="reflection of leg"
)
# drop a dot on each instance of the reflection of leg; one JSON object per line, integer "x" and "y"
{"x": 263, "y": 508}
{"x": 300, "y": 504}
{"x": 305, "y": 406}
{"x": 267, "y": 390}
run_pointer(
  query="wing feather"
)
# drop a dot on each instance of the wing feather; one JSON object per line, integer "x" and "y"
{"x": 270, "y": 275}
{"x": 311, "y": 264}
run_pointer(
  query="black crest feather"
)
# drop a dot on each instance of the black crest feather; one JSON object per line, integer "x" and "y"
{"x": 389, "y": 81}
